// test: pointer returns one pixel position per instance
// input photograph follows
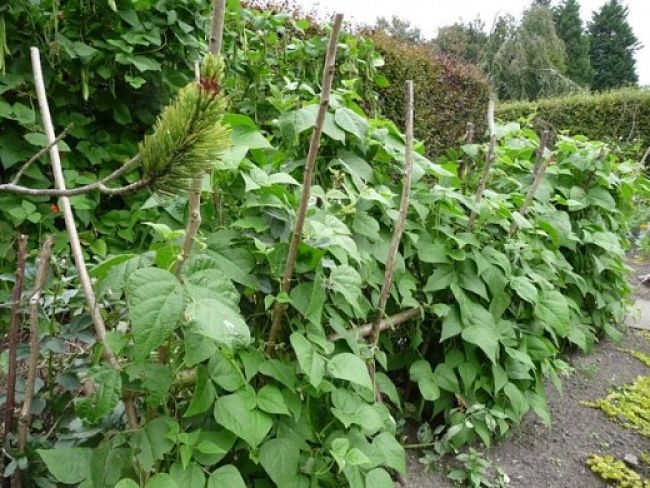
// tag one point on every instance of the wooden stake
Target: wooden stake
(194, 198)
(216, 32)
(75, 245)
(389, 270)
(488, 162)
(538, 174)
(463, 166)
(42, 269)
(314, 145)
(10, 403)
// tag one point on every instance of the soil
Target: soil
(534, 456)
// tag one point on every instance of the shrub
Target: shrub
(621, 115)
(448, 93)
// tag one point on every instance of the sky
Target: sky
(429, 15)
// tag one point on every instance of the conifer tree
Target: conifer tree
(569, 27)
(612, 47)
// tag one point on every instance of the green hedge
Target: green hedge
(448, 94)
(621, 115)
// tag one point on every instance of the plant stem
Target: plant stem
(538, 174)
(10, 403)
(193, 224)
(389, 270)
(34, 302)
(488, 162)
(75, 245)
(96, 186)
(314, 146)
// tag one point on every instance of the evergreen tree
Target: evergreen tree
(568, 26)
(612, 47)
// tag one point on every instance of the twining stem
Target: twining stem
(389, 270)
(99, 185)
(488, 162)
(538, 174)
(42, 151)
(34, 302)
(73, 236)
(314, 146)
(463, 166)
(10, 403)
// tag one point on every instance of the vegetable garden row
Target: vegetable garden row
(231, 345)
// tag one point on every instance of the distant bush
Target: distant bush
(620, 115)
(448, 94)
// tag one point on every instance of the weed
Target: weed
(615, 472)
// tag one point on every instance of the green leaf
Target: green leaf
(524, 288)
(347, 366)
(392, 451)
(379, 478)
(352, 123)
(225, 372)
(204, 394)
(345, 280)
(238, 414)
(155, 301)
(214, 319)
(279, 371)
(518, 402)
(270, 400)
(151, 442)
(311, 362)
(446, 379)
(190, 477)
(127, 483)
(552, 310)
(226, 476)
(161, 480)
(204, 279)
(485, 337)
(105, 397)
(68, 465)
(280, 459)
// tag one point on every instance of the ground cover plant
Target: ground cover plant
(496, 274)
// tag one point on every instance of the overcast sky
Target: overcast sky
(429, 15)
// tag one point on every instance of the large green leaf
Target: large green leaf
(552, 310)
(351, 122)
(280, 459)
(105, 397)
(151, 442)
(379, 478)
(484, 336)
(311, 362)
(68, 465)
(238, 414)
(215, 319)
(189, 477)
(347, 366)
(392, 451)
(204, 279)
(226, 476)
(155, 301)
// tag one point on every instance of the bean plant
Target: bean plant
(491, 312)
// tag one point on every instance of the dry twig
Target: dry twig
(34, 302)
(10, 402)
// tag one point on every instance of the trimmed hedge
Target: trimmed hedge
(621, 115)
(448, 94)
